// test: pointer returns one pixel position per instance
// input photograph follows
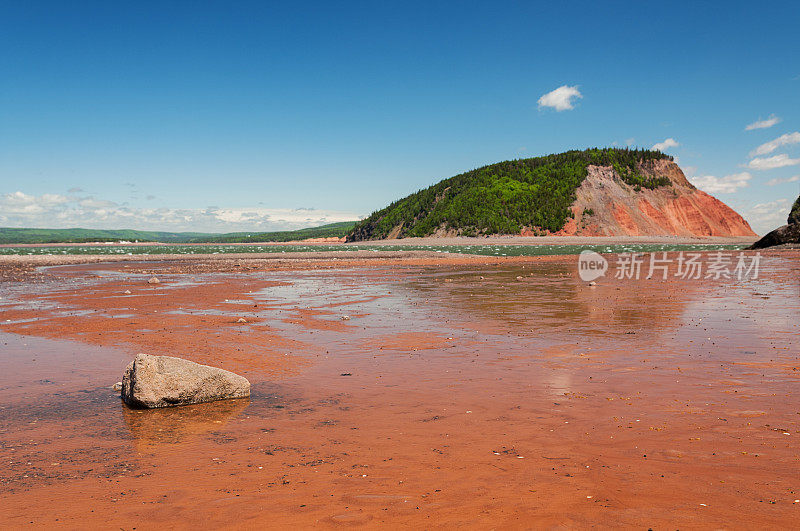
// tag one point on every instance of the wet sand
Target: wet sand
(413, 391)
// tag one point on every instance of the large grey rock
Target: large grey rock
(163, 381)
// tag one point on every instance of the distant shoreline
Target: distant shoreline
(566, 240)
(450, 241)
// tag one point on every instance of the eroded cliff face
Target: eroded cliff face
(607, 206)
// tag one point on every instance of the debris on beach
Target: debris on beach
(164, 381)
(241, 320)
(153, 280)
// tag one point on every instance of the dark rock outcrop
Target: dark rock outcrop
(786, 235)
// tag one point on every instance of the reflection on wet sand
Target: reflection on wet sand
(549, 298)
(173, 425)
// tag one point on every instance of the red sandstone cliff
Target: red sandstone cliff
(607, 206)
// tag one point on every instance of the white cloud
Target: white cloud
(768, 163)
(792, 179)
(783, 140)
(763, 124)
(24, 204)
(18, 209)
(560, 99)
(666, 144)
(722, 185)
(765, 217)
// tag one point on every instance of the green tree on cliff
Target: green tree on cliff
(794, 215)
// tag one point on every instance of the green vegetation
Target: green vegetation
(11, 236)
(630, 175)
(794, 215)
(8, 235)
(332, 230)
(505, 197)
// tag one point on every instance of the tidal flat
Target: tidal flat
(412, 389)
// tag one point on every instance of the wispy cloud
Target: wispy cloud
(18, 209)
(765, 217)
(722, 185)
(769, 163)
(561, 99)
(666, 144)
(763, 124)
(783, 140)
(792, 179)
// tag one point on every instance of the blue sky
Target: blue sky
(245, 116)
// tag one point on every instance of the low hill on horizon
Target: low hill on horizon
(10, 236)
(594, 192)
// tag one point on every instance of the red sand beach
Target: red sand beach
(414, 390)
